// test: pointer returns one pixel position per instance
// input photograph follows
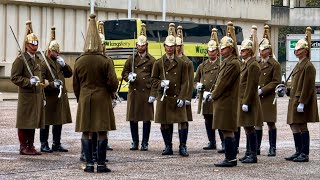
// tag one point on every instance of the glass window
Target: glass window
(120, 29)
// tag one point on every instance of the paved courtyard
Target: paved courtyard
(126, 164)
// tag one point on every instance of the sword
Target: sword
(50, 70)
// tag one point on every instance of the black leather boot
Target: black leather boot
(145, 135)
(44, 135)
(252, 158)
(135, 135)
(183, 136)
(230, 154)
(222, 141)
(211, 135)
(94, 138)
(56, 136)
(82, 157)
(272, 142)
(109, 148)
(298, 144)
(259, 139)
(237, 138)
(248, 152)
(304, 155)
(87, 149)
(168, 144)
(101, 158)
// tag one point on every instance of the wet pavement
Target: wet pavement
(126, 164)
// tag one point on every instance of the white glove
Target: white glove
(57, 83)
(199, 86)
(259, 92)
(34, 80)
(207, 96)
(187, 103)
(61, 61)
(179, 103)
(165, 83)
(114, 103)
(132, 77)
(300, 107)
(245, 108)
(151, 99)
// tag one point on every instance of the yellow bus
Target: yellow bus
(121, 34)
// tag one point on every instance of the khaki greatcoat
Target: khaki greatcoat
(248, 94)
(225, 95)
(270, 77)
(94, 82)
(57, 110)
(167, 111)
(207, 74)
(138, 108)
(190, 70)
(30, 112)
(302, 90)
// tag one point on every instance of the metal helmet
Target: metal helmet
(142, 38)
(53, 44)
(305, 43)
(265, 42)
(179, 38)
(213, 43)
(170, 39)
(92, 42)
(30, 37)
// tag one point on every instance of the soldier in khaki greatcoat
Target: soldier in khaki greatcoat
(137, 72)
(190, 73)
(170, 87)
(57, 110)
(303, 107)
(270, 77)
(225, 97)
(26, 74)
(204, 80)
(249, 106)
(94, 83)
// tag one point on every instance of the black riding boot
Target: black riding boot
(211, 135)
(94, 137)
(183, 136)
(252, 158)
(248, 152)
(145, 135)
(304, 155)
(44, 135)
(56, 136)
(135, 135)
(222, 141)
(259, 139)
(87, 149)
(230, 154)
(101, 158)
(298, 144)
(272, 142)
(237, 138)
(167, 138)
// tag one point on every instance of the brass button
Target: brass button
(175, 84)
(134, 89)
(144, 67)
(166, 72)
(264, 74)
(175, 73)
(210, 80)
(143, 78)
(204, 80)
(174, 95)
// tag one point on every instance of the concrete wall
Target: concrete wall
(304, 17)
(70, 18)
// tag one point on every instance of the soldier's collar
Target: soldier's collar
(32, 56)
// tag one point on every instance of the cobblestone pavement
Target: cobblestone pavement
(126, 164)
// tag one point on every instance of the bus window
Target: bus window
(120, 29)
